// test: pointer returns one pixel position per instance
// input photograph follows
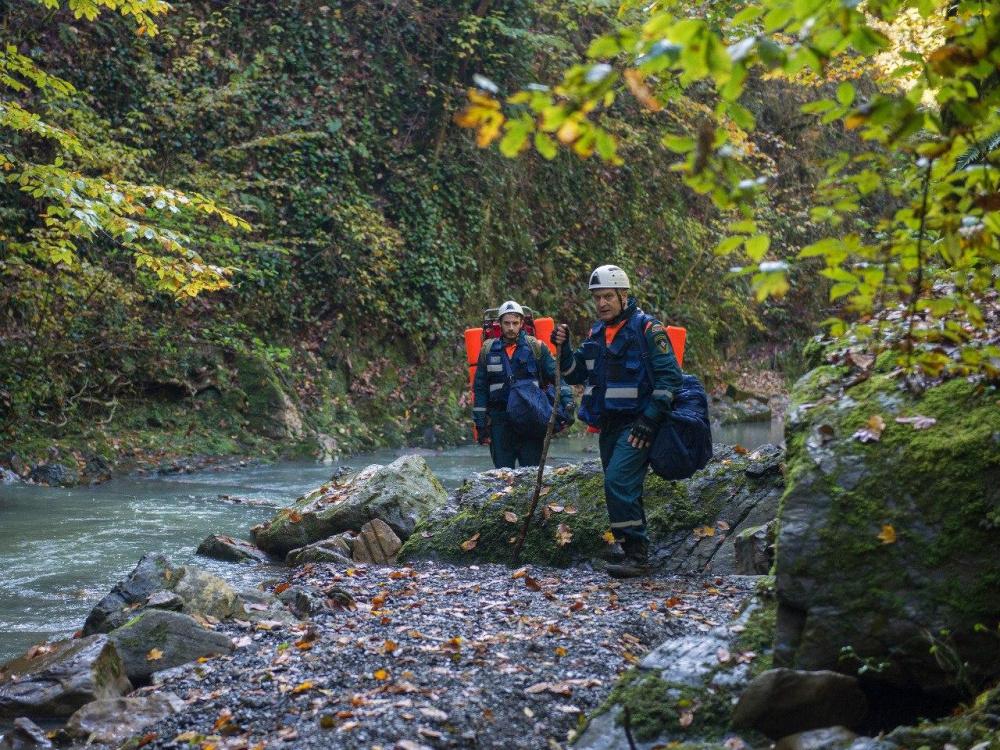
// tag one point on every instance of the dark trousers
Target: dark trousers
(508, 448)
(624, 475)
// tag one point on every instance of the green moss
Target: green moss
(656, 708)
(934, 486)
(758, 635)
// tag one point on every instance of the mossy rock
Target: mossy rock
(399, 494)
(269, 409)
(718, 501)
(887, 547)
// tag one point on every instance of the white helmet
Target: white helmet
(510, 307)
(608, 277)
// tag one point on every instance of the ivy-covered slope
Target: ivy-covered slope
(379, 232)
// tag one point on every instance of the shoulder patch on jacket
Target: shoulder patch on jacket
(658, 334)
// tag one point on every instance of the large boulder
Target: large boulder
(269, 409)
(150, 585)
(55, 679)
(692, 523)
(781, 702)
(888, 528)
(152, 573)
(158, 639)
(114, 720)
(399, 494)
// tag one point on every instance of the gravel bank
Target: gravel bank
(436, 656)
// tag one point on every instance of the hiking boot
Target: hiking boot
(635, 564)
(616, 553)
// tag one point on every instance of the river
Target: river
(61, 549)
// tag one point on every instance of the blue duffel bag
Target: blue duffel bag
(529, 408)
(684, 443)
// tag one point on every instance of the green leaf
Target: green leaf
(845, 94)
(757, 246)
(545, 145)
(728, 245)
(679, 144)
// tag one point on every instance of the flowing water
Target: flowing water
(62, 549)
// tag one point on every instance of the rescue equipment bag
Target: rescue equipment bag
(683, 444)
(528, 409)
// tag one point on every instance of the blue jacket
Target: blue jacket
(616, 377)
(491, 385)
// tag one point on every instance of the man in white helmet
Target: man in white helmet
(512, 357)
(630, 374)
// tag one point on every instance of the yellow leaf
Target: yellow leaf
(470, 544)
(388, 647)
(380, 674)
(568, 132)
(154, 654)
(703, 531)
(560, 651)
(608, 537)
(637, 85)
(887, 535)
(302, 687)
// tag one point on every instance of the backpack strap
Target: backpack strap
(536, 346)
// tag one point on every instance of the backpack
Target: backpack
(683, 444)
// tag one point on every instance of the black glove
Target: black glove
(645, 429)
(552, 336)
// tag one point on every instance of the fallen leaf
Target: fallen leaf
(686, 718)
(872, 431)
(510, 516)
(672, 601)
(545, 491)
(576, 606)
(560, 651)
(570, 510)
(723, 655)
(294, 517)
(608, 537)
(303, 687)
(918, 421)
(531, 583)
(380, 674)
(564, 535)
(470, 544)
(740, 450)
(703, 531)
(555, 508)
(887, 535)
(154, 654)
(388, 647)
(722, 526)
(282, 587)
(39, 650)
(519, 573)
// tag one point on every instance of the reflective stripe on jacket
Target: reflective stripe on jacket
(617, 382)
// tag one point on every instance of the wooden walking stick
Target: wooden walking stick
(549, 429)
